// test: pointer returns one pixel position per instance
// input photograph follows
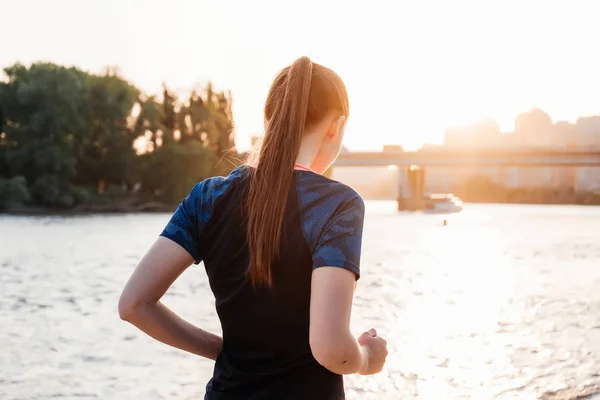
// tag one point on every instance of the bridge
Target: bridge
(410, 185)
(517, 157)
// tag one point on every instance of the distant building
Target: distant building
(587, 131)
(485, 133)
(564, 134)
(392, 148)
(534, 128)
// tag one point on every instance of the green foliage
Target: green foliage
(13, 192)
(49, 189)
(67, 137)
(169, 173)
(186, 142)
(105, 150)
(40, 107)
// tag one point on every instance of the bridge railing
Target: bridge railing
(475, 157)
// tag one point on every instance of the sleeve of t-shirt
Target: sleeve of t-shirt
(182, 228)
(339, 244)
(188, 223)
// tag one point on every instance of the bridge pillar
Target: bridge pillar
(411, 188)
(400, 181)
(401, 190)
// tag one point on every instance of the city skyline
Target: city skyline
(531, 128)
(412, 69)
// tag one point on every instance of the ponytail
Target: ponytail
(285, 112)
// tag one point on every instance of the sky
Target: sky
(412, 68)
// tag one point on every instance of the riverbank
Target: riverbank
(158, 207)
(84, 209)
(530, 196)
(483, 190)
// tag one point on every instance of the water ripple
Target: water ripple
(503, 303)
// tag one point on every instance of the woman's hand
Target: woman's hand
(375, 348)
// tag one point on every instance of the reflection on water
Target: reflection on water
(502, 303)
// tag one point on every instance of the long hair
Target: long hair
(300, 96)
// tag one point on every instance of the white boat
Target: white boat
(443, 203)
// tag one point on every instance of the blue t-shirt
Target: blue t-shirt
(266, 352)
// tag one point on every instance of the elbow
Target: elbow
(127, 309)
(331, 355)
(329, 360)
(133, 307)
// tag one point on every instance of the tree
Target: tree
(42, 118)
(169, 114)
(105, 151)
(171, 166)
(225, 143)
(170, 172)
(66, 134)
(149, 122)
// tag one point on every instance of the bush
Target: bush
(81, 195)
(168, 174)
(46, 190)
(13, 192)
(49, 190)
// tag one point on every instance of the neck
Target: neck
(309, 148)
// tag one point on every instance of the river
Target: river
(501, 303)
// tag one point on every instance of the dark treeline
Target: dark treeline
(71, 138)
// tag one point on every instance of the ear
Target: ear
(336, 128)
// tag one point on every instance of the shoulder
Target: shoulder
(188, 223)
(200, 203)
(327, 205)
(328, 195)
(209, 190)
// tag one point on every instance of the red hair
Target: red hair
(301, 96)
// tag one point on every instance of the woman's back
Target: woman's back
(266, 351)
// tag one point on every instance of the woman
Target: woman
(281, 247)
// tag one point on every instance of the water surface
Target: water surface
(502, 303)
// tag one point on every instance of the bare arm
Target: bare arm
(331, 341)
(140, 302)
